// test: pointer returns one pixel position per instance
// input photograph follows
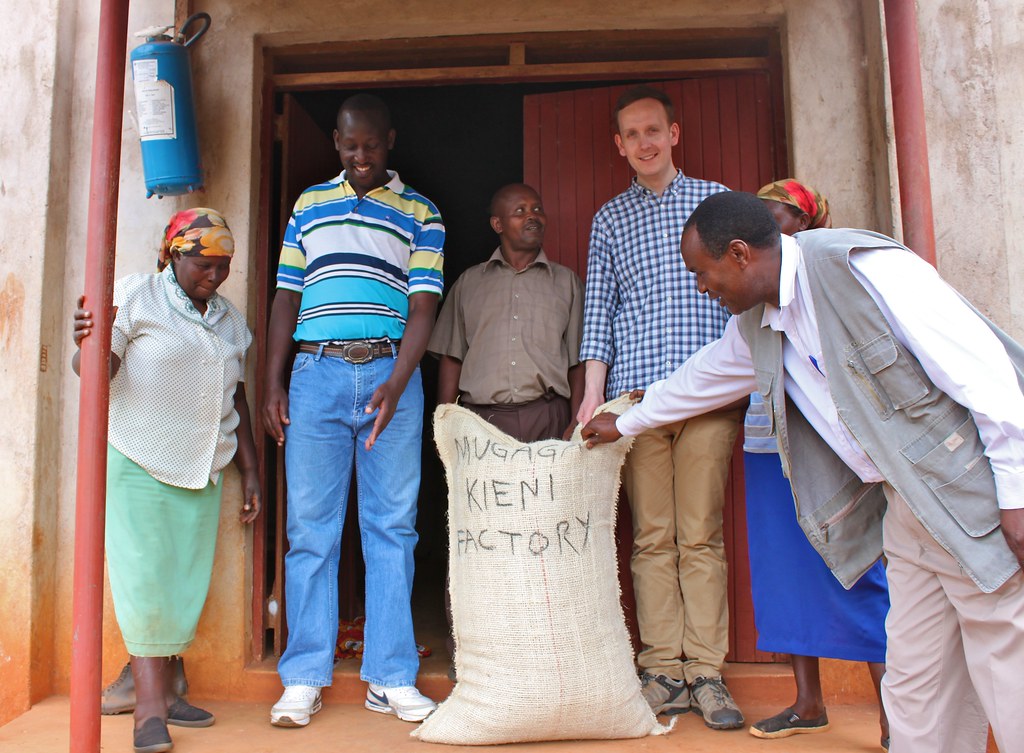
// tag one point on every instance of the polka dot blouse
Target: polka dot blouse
(172, 401)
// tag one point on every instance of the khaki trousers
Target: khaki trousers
(955, 655)
(675, 477)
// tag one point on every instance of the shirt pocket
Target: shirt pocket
(546, 317)
(886, 374)
(950, 458)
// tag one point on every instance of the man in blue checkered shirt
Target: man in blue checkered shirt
(643, 317)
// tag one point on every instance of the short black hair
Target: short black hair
(635, 94)
(732, 215)
(370, 106)
(502, 193)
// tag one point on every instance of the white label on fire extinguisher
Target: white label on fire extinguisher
(154, 101)
(144, 70)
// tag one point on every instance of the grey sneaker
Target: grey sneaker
(119, 696)
(713, 700)
(665, 695)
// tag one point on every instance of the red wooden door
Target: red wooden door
(729, 134)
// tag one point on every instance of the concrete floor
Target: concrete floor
(244, 728)
(344, 726)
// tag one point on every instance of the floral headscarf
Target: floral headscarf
(196, 232)
(798, 195)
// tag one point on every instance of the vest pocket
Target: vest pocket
(886, 375)
(950, 458)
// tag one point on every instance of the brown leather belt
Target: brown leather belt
(354, 351)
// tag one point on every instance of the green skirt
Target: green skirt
(160, 541)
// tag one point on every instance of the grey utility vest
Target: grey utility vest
(923, 442)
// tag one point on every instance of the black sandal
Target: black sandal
(153, 737)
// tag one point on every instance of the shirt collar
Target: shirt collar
(791, 258)
(541, 261)
(645, 193)
(394, 184)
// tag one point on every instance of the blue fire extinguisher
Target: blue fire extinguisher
(163, 102)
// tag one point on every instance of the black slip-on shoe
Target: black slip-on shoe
(787, 723)
(181, 713)
(153, 737)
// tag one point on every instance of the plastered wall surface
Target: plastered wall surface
(1008, 43)
(27, 531)
(837, 139)
(974, 84)
(828, 79)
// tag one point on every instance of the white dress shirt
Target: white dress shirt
(955, 348)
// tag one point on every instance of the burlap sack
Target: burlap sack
(542, 651)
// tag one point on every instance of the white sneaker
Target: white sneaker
(296, 705)
(407, 703)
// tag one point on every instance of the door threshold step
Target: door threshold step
(772, 684)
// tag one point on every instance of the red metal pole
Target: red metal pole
(87, 637)
(909, 126)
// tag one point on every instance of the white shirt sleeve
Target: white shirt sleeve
(958, 351)
(718, 374)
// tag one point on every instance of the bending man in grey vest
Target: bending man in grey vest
(899, 416)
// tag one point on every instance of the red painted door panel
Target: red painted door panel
(728, 133)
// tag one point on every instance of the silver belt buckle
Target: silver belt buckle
(357, 352)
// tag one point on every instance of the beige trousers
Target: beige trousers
(675, 478)
(955, 655)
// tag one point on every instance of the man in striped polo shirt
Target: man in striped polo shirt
(357, 288)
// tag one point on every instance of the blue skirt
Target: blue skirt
(799, 606)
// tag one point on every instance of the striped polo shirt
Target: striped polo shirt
(356, 261)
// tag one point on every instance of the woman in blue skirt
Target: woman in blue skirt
(799, 607)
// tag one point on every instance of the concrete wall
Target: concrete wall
(839, 139)
(31, 247)
(974, 86)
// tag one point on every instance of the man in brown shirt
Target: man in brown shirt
(509, 334)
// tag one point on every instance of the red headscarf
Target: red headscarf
(798, 195)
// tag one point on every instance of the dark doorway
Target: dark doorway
(457, 144)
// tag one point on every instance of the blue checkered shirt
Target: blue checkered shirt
(643, 315)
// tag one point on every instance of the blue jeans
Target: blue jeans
(328, 427)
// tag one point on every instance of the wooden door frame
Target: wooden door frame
(549, 57)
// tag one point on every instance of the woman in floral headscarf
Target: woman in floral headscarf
(799, 607)
(795, 206)
(178, 416)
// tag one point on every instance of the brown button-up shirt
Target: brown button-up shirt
(516, 333)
